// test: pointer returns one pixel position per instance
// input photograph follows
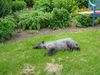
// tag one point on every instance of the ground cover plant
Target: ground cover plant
(15, 57)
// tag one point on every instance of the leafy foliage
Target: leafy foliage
(83, 20)
(5, 7)
(30, 3)
(29, 20)
(18, 5)
(48, 5)
(44, 5)
(37, 19)
(68, 5)
(82, 3)
(60, 18)
(7, 28)
(52, 14)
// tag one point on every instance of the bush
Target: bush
(82, 3)
(28, 20)
(5, 7)
(7, 28)
(37, 19)
(98, 20)
(29, 3)
(44, 5)
(83, 20)
(68, 5)
(18, 5)
(48, 5)
(34, 20)
(60, 18)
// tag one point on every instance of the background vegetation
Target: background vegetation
(38, 14)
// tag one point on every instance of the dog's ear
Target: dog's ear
(42, 41)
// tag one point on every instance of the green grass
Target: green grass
(85, 62)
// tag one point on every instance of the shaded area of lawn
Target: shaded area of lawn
(86, 62)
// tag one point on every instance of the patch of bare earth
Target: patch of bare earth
(35, 33)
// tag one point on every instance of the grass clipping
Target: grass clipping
(28, 70)
(52, 68)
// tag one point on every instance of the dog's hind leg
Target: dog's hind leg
(51, 51)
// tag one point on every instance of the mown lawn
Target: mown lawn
(85, 62)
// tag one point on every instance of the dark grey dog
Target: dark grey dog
(54, 46)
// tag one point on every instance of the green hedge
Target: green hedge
(18, 5)
(7, 28)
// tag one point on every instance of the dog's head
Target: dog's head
(39, 45)
(76, 47)
(73, 45)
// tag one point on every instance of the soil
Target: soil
(35, 33)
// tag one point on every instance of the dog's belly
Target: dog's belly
(57, 45)
(61, 46)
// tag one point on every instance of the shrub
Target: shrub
(82, 3)
(28, 20)
(60, 18)
(68, 5)
(29, 3)
(29, 23)
(98, 20)
(43, 20)
(83, 20)
(37, 19)
(34, 20)
(18, 5)
(5, 7)
(44, 5)
(48, 5)
(7, 28)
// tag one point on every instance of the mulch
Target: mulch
(34, 33)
